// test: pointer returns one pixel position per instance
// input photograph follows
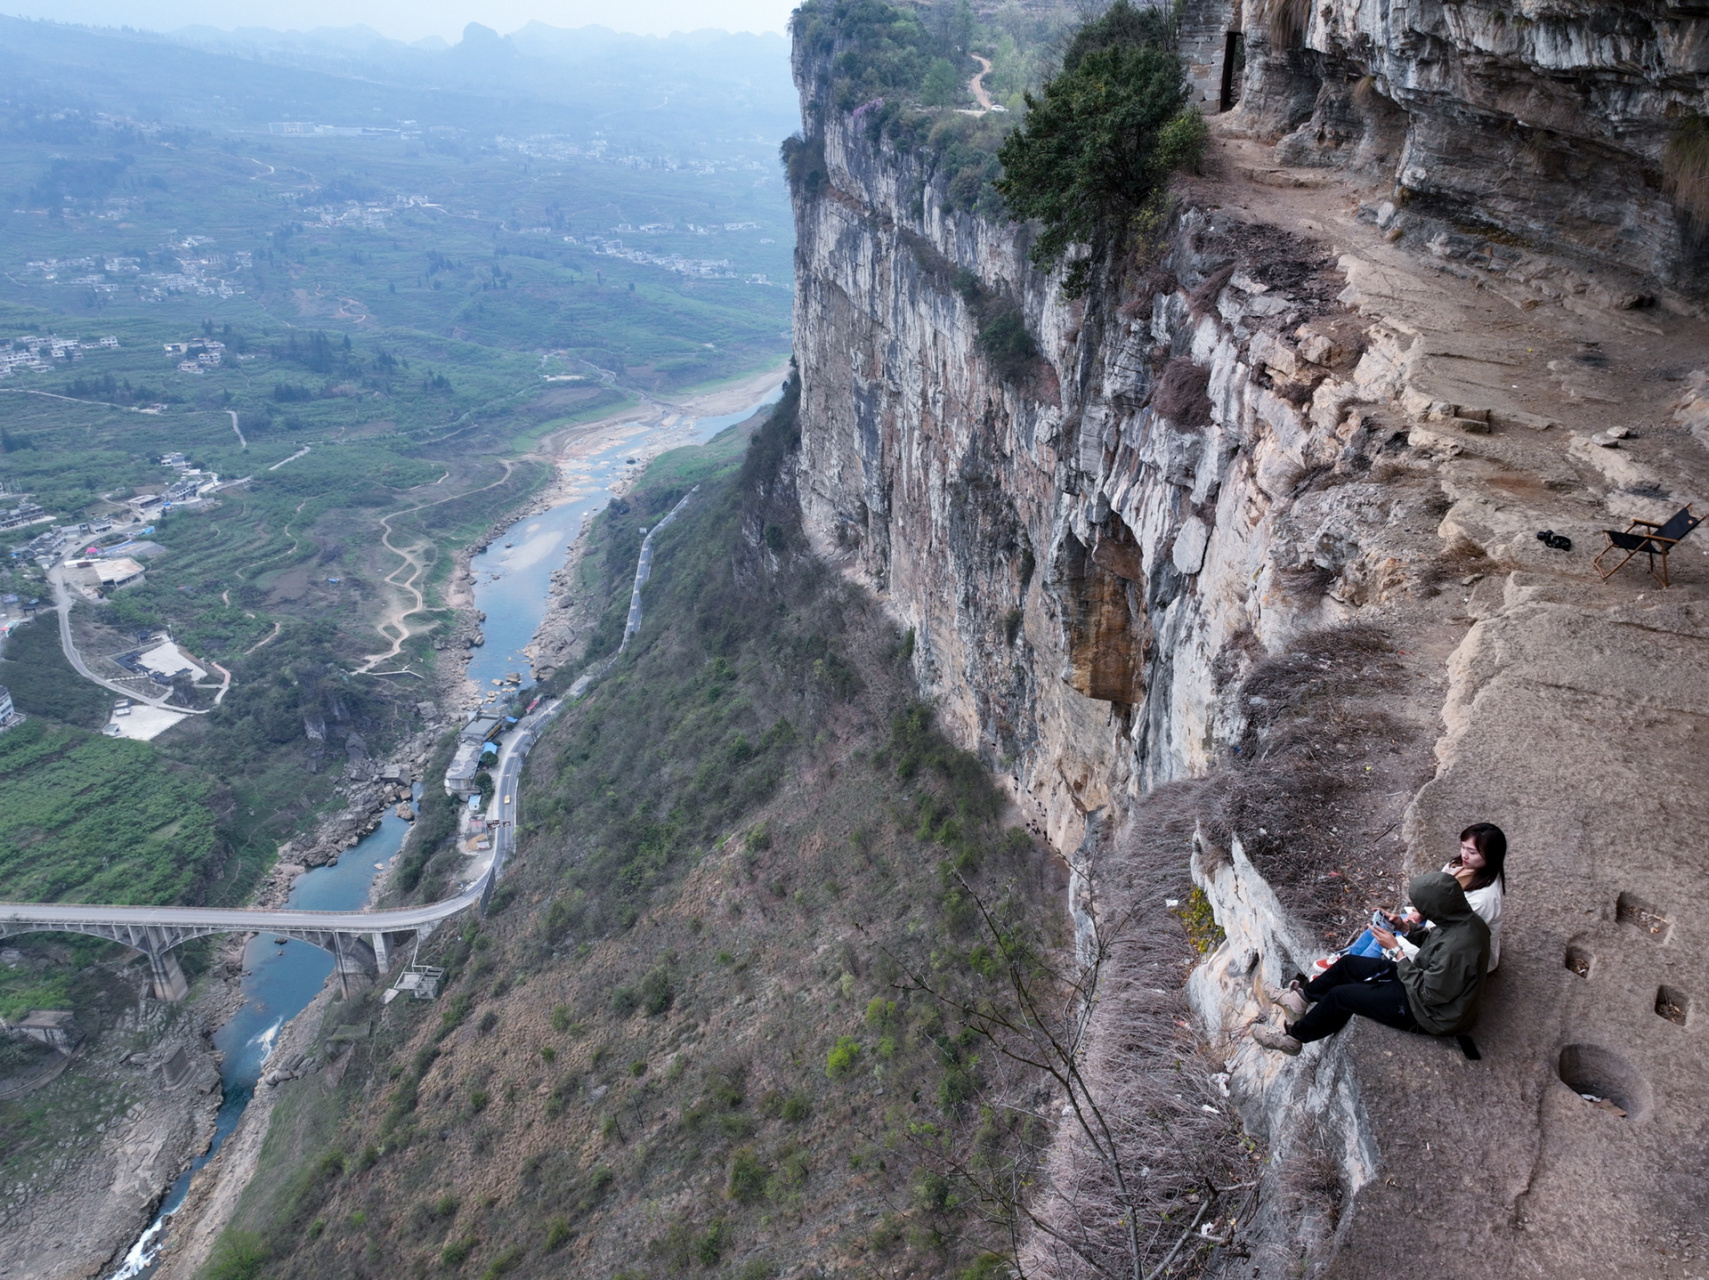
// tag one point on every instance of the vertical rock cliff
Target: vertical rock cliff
(1312, 435)
(1078, 547)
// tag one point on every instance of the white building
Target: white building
(121, 572)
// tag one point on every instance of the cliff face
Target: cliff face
(1556, 121)
(1309, 422)
(1079, 551)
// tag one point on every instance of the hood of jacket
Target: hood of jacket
(1439, 899)
(1444, 979)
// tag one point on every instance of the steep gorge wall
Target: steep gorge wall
(1084, 553)
(1282, 423)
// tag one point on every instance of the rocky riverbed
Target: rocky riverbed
(135, 1107)
(369, 789)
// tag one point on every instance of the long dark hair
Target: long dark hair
(1490, 841)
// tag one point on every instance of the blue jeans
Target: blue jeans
(1365, 945)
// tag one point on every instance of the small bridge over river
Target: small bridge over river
(360, 942)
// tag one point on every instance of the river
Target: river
(512, 584)
(513, 576)
(278, 984)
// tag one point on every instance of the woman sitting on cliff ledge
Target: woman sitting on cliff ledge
(1480, 867)
(1433, 990)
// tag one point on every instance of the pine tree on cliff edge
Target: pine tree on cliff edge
(1095, 153)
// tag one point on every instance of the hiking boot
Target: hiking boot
(1288, 998)
(1280, 1041)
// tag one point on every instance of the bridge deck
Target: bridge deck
(16, 917)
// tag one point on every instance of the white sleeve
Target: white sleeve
(1487, 903)
(1407, 949)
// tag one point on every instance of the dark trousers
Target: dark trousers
(1363, 985)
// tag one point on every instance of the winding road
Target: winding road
(644, 570)
(62, 603)
(976, 86)
(394, 628)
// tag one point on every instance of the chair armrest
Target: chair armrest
(1648, 524)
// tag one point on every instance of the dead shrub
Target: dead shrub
(1458, 562)
(1307, 583)
(1685, 170)
(1182, 393)
(1203, 298)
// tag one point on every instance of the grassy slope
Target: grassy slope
(733, 849)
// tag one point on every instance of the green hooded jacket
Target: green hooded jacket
(1443, 980)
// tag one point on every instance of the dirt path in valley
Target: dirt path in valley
(976, 86)
(264, 643)
(393, 627)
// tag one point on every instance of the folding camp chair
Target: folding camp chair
(1661, 539)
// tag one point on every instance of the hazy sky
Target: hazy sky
(413, 19)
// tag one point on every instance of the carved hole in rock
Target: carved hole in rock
(1672, 1004)
(1605, 1080)
(1647, 919)
(1579, 961)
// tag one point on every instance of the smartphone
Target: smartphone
(1380, 921)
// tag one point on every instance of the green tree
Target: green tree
(942, 86)
(1096, 150)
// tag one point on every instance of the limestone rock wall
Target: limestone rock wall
(1086, 553)
(1549, 120)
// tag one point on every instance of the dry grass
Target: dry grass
(1182, 393)
(1685, 169)
(1452, 566)
(1285, 21)
(1178, 1138)
(1307, 583)
(1309, 788)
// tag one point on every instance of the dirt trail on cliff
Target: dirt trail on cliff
(1572, 720)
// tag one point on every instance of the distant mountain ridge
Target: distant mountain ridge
(647, 91)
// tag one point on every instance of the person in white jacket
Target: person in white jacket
(1481, 870)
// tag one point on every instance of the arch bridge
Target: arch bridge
(360, 942)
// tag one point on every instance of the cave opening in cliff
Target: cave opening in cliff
(1233, 69)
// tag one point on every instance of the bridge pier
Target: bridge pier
(165, 975)
(355, 956)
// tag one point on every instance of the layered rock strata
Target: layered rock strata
(1562, 123)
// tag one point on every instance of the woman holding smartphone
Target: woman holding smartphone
(1480, 868)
